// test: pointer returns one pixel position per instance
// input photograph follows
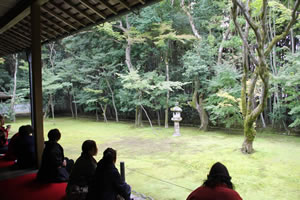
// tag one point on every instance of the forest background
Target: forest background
(186, 51)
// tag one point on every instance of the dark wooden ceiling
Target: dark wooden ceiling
(59, 18)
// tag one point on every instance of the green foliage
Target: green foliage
(289, 79)
(147, 89)
(223, 104)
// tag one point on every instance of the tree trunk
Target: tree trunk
(47, 108)
(113, 99)
(12, 105)
(52, 105)
(191, 20)
(103, 108)
(263, 120)
(71, 104)
(204, 117)
(250, 133)
(168, 95)
(220, 52)
(140, 117)
(158, 117)
(147, 116)
(97, 116)
(197, 103)
(75, 105)
(136, 116)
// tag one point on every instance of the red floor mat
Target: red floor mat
(4, 163)
(26, 187)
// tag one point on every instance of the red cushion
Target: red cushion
(26, 187)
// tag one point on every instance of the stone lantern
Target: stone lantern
(176, 118)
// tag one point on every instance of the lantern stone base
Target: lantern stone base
(176, 129)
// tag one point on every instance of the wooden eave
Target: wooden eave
(59, 18)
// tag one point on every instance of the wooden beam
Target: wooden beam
(93, 8)
(79, 11)
(59, 7)
(8, 45)
(12, 42)
(23, 36)
(4, 52)
(49, 31)
(108, 6)
(36, 93)
(14, 39)
(16, 14)
(55, 24)
(26, 28)
(125, 4)
(51, 12)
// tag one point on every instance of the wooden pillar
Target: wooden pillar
(36, 80)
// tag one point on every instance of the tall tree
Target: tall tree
(262, 47)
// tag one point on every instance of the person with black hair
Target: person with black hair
(24, 148)
(217, 186)
(82, 172)
(54, 167)
(108, 184)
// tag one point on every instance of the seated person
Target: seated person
(82, 172)
(11, 152)
(217, 186)
(3, 135)
(108, 184)
(54, 167)
(24, 148)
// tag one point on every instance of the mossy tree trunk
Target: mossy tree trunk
(258, 61)
(197, 103)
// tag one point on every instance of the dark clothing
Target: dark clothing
(83, 170)
(11, 152)
(108, 184)
(25, 151)
(52, 169)
(81, 176)
(220, 192)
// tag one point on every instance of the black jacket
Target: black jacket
(83, 170)
(25, 151)
(108, 184)
(51, 169)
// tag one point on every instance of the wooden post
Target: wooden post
(122, 169)
(36, 80)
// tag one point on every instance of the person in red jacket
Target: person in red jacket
(218, 186)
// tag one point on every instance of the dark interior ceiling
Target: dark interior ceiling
(59, 18)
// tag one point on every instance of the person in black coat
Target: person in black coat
(108, 184)
(24, 148)
(82, 172)
(54, 167)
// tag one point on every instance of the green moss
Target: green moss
(272, 172)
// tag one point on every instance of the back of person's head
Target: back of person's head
(90, 147)
(1, 117)
(218, 175)
(25, 130)
(110, 155)
(54, 135)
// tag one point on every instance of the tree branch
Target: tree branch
(263, 20)
(239, 29)
(248, 19)
(276, 39)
